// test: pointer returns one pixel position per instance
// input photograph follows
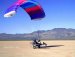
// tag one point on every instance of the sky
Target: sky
(59, 14)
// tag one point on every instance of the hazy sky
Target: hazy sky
(59, 14)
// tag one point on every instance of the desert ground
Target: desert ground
(56, 48)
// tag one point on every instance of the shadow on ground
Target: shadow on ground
(50, 46)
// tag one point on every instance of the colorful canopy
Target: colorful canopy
(34, 10)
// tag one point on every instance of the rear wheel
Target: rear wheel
(44, 44)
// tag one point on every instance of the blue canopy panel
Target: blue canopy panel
(34, 10)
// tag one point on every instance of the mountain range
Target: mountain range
(53, 34)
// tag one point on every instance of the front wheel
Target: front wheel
(34, 47)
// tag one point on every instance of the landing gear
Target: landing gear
(39, 45)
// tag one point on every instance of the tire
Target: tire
(34, 46)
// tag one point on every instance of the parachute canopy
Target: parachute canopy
(11, 11)
(33, 9)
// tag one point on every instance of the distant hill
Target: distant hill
(54, 34)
